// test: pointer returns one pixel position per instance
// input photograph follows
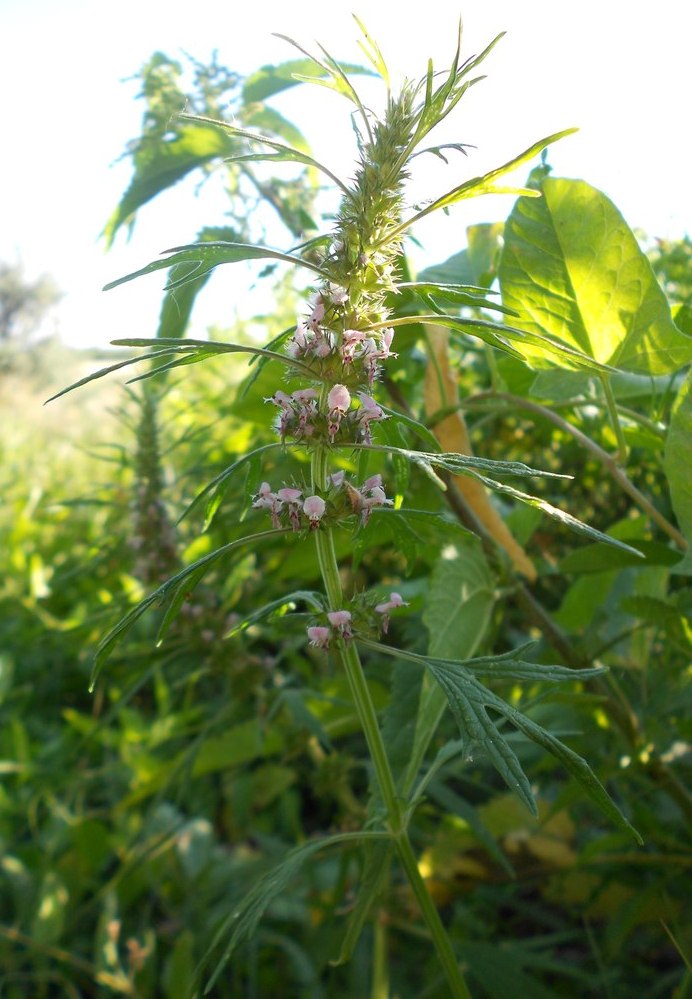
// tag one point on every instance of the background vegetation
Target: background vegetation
(133, 820)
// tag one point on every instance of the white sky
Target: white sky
(617, 69)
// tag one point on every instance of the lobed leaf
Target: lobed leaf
(469, 699)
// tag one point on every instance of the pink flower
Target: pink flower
(338, 295)
(372, 494)
(336, 479)
(368, 413)
(319, 637)
(395, 600)
(291, 498)
(339, 399)
(289, 495)
(313, 508)
(341, 620)
(267, 500)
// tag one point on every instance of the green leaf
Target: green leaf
(177, 304)
(246, 917)
(282, 152)
(469, 700)
(677, 462)
(477, 264)
(165, 595)
(372, 883)
(270, 80)
(205, 256)
(413, 533)
(215, 490)
(461, 294)
(502, 336)
(460, 597)
(599, 558)
(572, 269)
(188, 352)
(487, 184)
(161, 164)
(277, 607)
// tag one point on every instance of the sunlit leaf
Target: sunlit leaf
(162, 164)
(487, 184)
(281, 152)
(573, 270)
(270, 80)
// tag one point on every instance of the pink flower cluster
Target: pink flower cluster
(315, 337)
(300, 417)
(290, 501)
(340, 625)
(298, 412)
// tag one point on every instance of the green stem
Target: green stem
(347, 653)
(614, 419)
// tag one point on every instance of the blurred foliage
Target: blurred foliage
(134, 820)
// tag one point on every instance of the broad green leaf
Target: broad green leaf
(674, 622)
(245, 919)
(505, 970)
(159, 165)
(205, 256)
(459, 599)
(677, 463)
(573, 270)
(399, 717)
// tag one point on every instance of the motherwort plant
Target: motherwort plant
(339, 350)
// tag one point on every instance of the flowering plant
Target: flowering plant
(337, 418)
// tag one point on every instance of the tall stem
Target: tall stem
(348, 657)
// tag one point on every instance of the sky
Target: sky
(68, 111)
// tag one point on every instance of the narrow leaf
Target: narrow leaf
(165, 593)
(206, 256)
(246, 917)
